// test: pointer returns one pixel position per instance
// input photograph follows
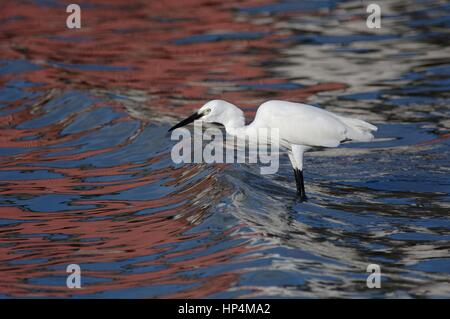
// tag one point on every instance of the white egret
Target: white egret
(300, 126)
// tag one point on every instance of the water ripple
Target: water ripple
(86, 175)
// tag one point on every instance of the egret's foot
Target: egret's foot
(302, 197)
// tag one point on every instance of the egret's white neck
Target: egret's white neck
(233, 120)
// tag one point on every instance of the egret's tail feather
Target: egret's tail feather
(358, 130)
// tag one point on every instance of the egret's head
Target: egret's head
(215, 111)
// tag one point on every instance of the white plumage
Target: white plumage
(300, 126)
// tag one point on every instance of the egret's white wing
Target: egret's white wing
(301, 124)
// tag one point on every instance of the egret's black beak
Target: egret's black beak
(184, 122)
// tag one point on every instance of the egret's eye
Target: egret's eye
(207, 111)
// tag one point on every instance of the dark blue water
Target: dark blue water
(86, 175)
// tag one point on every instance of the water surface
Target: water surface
(86, 175)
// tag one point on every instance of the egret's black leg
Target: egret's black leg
(303, 197)
(297, 182)
(300, 184)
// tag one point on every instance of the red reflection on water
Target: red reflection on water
(103, 231)
(140, 37)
